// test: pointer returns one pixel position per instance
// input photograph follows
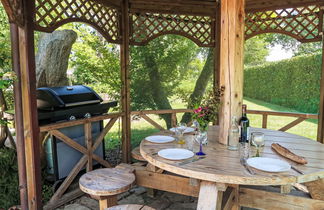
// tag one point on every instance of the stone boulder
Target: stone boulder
(52, 58)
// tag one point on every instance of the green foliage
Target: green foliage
(256, 50)
(207, 111)
(6, 77)
(172, 56)
(9, 190)
(290, 43)
(95, 62)
(5, 52)
(9, 193)
(291, 83)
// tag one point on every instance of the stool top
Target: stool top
(130, 207)
(136, 154)
(106, 181)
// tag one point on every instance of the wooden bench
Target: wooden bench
(130, 207)
(104, 184)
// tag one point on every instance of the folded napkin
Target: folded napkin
(288, 154)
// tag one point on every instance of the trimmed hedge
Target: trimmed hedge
(293, 83)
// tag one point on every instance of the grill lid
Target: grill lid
(50, 98)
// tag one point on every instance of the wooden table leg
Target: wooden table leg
(106, 202)
(236, 205)
(151, 192)
(208, 196)
(219, 200)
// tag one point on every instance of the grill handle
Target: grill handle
(82, 103)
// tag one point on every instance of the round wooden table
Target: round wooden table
(221, 166)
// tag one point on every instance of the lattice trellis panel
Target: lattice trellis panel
(50, 14)
(302, 23)
(147, 26)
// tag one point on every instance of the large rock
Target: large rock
(52, 58)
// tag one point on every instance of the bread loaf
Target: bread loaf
(288, 154)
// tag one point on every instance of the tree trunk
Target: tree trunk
(201, 85)
(158, 93)
(52, 58)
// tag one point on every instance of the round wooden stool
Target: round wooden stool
(130, 207)
(104, 184)
(136, 154)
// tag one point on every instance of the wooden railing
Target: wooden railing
(300, 117)
(173, 113)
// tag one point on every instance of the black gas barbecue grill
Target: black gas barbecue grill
(68, 103)
(65, 103)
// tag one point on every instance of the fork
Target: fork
(243, 162)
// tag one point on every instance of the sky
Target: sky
(277, 53)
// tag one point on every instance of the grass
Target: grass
(308, 128)
(141, 128)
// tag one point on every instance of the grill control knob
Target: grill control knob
(87, 115)
(72, 118)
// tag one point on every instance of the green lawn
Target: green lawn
(307, 128)
(140, 128)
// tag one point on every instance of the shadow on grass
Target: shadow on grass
(112, 140)
(264, 106)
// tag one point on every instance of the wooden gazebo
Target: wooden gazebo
(221, 24)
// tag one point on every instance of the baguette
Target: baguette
(288, 154)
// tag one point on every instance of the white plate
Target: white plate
(188, 130)
(268, 164)
(160, 139)
(175, 154)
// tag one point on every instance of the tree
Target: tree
(157, 69)
(256, 50)
(95, 62)
(290, 43)
(201, 85)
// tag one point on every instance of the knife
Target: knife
(297, 170)
(243, 162)
(190, 161)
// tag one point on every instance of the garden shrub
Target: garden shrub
(293, 83)
(9, 193)
(9, 190)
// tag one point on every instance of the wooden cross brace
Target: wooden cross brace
(88, 153)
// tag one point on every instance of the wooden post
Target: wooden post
(217, 48)
(320, 128)
(124, 59)
(88, 143)
(20, 144)
(231, 63)
(28, 90)
(217, 53)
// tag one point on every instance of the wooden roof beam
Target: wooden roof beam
(263, 5)
(175, 8)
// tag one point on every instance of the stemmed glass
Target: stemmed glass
(258, 140)
(201, 138)
(181, 128)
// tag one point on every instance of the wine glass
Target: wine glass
(258, 140)
(201, 138)
(181, 128)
